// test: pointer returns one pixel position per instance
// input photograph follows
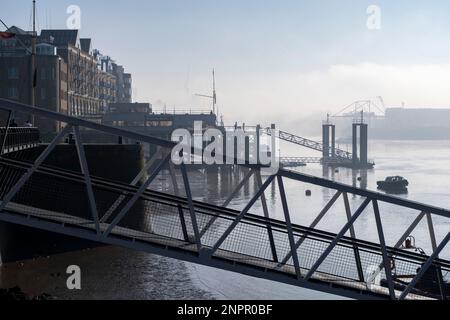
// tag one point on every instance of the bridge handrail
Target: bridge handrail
(364, 193)
(217, 211)
(17, 137)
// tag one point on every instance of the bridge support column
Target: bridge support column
(360, 155)
(364, 141)
(329, 141)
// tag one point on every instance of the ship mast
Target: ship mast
(214, 92)
(214, 95)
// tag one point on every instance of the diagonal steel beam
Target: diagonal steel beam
(136, 197)
(312, 226)
(157, 156)
(386, 260)
(338, 238)
(187, 188)
(434, 247)
(173, 176)
(121, 198)
(267, 216)
(425, 267)
(238, 188)
(411, 228)
(228, 201)
(241, 215)
(35, 166)
(287, 217)
(348, 211)
(402, 239)
(183, 223)
(87, 178)
(431, 231)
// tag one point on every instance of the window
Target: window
(118, 123)
(13, 93)
(43, 74)
(166, 123)
(152, 123)
(161, 123)
(13, 73)
(136, 124)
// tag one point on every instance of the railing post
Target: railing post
(187, 188)
(267, 216)
(434, 246)
(386, 260)
(87, 178)
(183, 223)
(353, 235)
(287, 217)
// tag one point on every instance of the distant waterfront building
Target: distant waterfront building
(141, 118)
(90, 88)
(51, 78)
(401, 124)
(128, 91)
(123, 93)
(123, 84)
(19, 45)
(70, 76)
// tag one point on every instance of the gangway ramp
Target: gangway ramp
(174, 225)
(308, 143)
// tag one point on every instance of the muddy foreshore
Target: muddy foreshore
(107, 273)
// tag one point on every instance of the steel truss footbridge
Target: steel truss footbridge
(172, 224)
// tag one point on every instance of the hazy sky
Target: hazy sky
(275, 60)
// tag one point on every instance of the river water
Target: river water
(114, 273)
